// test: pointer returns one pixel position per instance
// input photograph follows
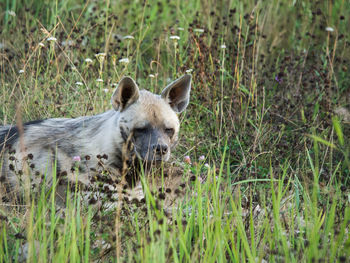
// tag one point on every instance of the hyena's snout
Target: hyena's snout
(160, 150)
(151, 145)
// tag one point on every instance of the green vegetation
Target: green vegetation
(269, 112)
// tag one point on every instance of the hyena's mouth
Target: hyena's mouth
(153, 157)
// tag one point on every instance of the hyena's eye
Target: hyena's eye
(170, 132)
(140, 130)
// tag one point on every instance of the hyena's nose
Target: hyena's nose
(160, 149)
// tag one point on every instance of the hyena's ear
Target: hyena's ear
(125, 94)
(177, 93)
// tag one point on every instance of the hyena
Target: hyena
(146, 122)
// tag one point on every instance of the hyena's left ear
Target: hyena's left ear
(125, 94)
(177, 93)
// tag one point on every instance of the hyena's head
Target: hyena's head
(151, 120)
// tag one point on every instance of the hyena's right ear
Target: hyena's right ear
(125, 94)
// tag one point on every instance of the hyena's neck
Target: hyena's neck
(103, 134)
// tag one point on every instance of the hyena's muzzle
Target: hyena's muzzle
(151, 145)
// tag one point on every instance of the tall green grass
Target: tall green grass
(211, 224)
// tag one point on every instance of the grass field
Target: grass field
(264, 142)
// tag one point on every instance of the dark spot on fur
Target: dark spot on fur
(123, 133)
(123, 120)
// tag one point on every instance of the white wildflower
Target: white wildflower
(175, 37)
(189, 70)
(124, 60)
(201, 158)
(329, 29)
(21, 71)
(11, 13)
(151, 76)
(180, 29)
(53, 39)
(101, 54)
(128, 37)
(78, 83)
(199, 30)
(88, 60)
(223, 46)
(105, 90)
(99, 80)
(41, 44)
(206, 165)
